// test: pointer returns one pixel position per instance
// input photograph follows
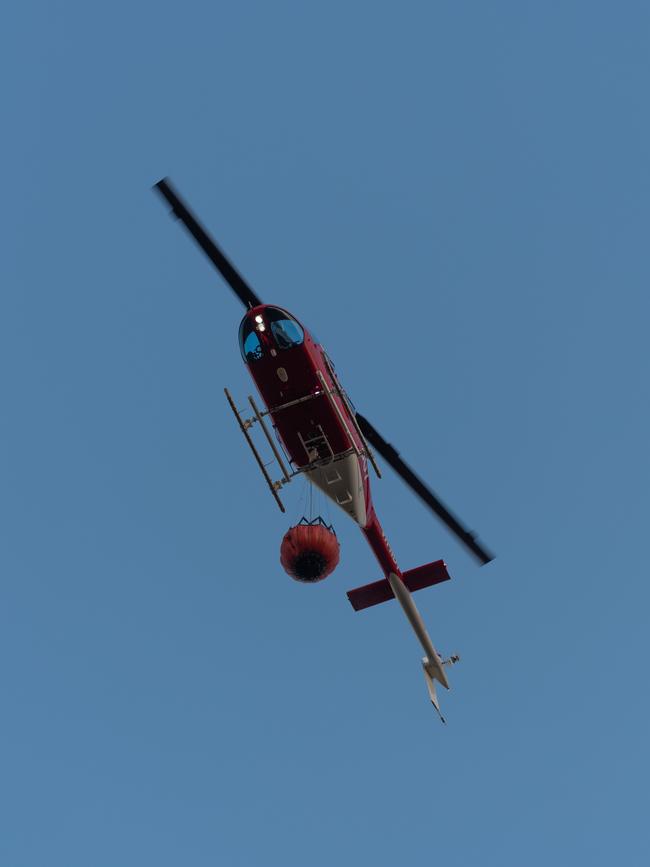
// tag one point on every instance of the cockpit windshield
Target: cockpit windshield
(284, 328)
(249, 341)
(253, 347)
(255, 339)
(286, 333)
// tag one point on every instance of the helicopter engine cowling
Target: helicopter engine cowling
(310, 551)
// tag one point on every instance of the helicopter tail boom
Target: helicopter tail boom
(401, 588)
(432, 664)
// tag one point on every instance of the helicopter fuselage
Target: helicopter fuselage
(313, 416)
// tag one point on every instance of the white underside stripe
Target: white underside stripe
(341, 481)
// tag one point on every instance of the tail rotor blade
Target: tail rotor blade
(391, 455)
(227, 270)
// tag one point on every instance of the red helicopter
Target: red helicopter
(324, 439)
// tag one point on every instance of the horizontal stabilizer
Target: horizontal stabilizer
(414, 579)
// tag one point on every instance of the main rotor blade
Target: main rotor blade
(229, 273)
(390, 454)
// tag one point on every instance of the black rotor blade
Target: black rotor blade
(390, 454)
(229, 273)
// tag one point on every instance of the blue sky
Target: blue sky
(454, 197)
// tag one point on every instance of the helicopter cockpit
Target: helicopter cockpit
(267, 331)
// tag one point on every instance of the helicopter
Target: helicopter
(320, 436)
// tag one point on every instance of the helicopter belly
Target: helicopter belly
(342, 481)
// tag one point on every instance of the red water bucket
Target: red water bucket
(310, 551)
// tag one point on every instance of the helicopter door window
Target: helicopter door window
(286, 333)
(252, 347)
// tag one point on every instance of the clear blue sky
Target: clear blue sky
(455, 198)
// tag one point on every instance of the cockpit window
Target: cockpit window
(252, 347)
(249, 342)
(285, 330)
(286, 333)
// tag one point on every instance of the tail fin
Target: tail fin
(432, 688)
(414, 579)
